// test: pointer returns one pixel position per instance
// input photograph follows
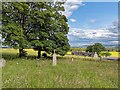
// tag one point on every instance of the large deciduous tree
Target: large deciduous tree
(49, 27)
(14, 22)
(39, 25)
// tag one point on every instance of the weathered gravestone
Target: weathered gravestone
(2, 62)
(72, 59)
(54, 59)
(95, 55)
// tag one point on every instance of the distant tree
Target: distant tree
(97, 47)
(106, 54)
(90, 48)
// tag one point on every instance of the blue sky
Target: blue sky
(102, 13)
(92, 22)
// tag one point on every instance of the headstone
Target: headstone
(2, 62)
(95, 55)
(54, 59)
(72, 59)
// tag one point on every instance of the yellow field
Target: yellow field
(115, 54)
(33, 52)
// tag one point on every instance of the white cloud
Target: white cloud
(72, 20)
(92, 20)
(92, 33)
(70, 6)
(74, 7)
(83, 4)
(74, 1)
(83, 37)
(114, 42)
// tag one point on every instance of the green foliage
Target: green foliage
(90, 48)
(15, 23)
(38, 25)
(49, 29)
(77, 49)
(97, 47)
(106, 54)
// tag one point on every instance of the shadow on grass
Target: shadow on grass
(10, 56)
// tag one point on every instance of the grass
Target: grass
(80, 73)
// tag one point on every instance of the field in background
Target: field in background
(115, 54)
(39, 73)
(34, 53)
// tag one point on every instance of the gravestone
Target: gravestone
(72, 59)
(95, 55)
(2, 62)
(54, 59)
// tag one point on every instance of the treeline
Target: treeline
(114, 49)
(77, 49)
(110, 49)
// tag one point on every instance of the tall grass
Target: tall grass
(80, 73)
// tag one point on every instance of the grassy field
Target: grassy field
(35, 73)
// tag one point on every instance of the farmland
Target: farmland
(39, 73)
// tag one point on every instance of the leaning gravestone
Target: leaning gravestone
(2, 62)
(72, 59)
(95, 55)
(54, 59)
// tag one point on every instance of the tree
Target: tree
(37, 25)
(90, 48)
(106, 54)
(14, 22)
(50, 28)
(97, 47)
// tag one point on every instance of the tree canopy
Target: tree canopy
(97, 47)
(14, 24)
(37, 25)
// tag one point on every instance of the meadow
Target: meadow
(83, 72)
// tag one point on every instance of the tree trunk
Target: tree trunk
(39, 54)
(100, 58)
(20, 52)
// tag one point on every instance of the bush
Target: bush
(106, 54)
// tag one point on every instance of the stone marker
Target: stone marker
(2, 62)
(72, 59)
(54, 58)
(95, 55)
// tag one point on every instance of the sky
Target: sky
(92, 22)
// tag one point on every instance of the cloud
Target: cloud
(80, 37)
(92, 20)
(114, 42)
(83, 4)
(72, 20)
(91, 33)
(70, 6)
